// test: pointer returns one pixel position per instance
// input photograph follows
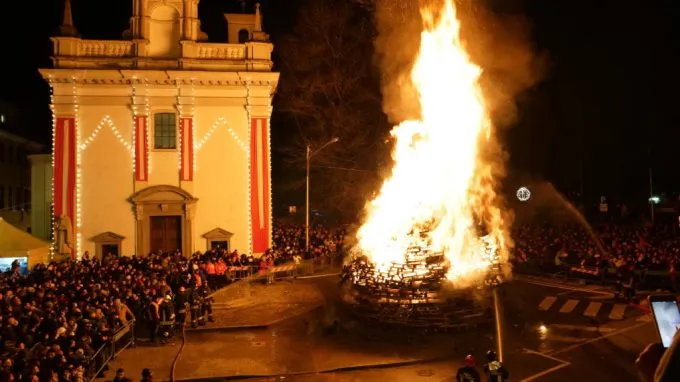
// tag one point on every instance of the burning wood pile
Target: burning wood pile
(417, 292)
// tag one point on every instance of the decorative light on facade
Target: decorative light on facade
(193, 127)
(179, 127)
(219, 122)
(269, 153)
(133, 135)
(147, 114)
(54, 139)
(107, 121)
(76, 114)
(250, 170)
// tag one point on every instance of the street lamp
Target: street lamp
(310, 154)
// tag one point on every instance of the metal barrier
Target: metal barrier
(647, 279)
(121, 340)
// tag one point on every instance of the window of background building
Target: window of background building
(165, 131)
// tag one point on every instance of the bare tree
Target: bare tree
(330, 88)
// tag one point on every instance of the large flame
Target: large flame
(441, 191)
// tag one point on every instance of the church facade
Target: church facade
(161, 140)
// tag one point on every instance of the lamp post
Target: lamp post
(310, 154)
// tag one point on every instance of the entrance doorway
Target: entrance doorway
(110, 250)
(166, 233)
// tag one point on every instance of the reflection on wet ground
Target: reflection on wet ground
(312, 343)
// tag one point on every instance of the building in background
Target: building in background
(15, 177)
(41, 196)
(161, 141)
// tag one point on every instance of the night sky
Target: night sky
(607, 102)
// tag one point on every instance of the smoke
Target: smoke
(499, 43)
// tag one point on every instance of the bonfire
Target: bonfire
(436, 223)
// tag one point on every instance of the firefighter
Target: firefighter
(495, 371)
(195, 307)
(468, 373)
(167, 318)
(181, 304)
(206, 305)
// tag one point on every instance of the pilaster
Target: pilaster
(260, 178)
(140, 112)
(64, 181)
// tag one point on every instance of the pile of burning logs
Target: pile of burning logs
(414, 292)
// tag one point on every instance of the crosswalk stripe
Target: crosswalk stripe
(569, 306)
(592, 309)
(547, 303)
(617, 312)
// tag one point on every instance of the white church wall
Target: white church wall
(221, 173)
(106, 170)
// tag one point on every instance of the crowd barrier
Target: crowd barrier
(647, 279)
(121, 340)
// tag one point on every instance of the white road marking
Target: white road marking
(576, 346)
(569, 306)
(562, 364)
(561, 286)
(559, 338)
(592, 309)
(547, 303)
(582, 328)
(617, 312)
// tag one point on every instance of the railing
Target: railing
(647, 279)
(121, 340)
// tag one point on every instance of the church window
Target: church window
(243, 36)
(165, 131)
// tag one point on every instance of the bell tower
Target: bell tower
(161, 25)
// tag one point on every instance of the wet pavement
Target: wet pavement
(551, 334)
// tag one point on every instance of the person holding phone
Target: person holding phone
(660, 362)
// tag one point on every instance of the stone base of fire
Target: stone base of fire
(414, 293)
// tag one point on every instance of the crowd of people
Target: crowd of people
(56, 319)
(601, 248)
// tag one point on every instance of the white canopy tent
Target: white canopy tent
(17, 244)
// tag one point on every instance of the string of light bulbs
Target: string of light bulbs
(53, 224)
(79, 179)
(250, 169)
(108, 121)
(219, 122)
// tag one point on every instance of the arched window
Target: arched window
(165, 131)
(243, 36)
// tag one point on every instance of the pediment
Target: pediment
(217, 234)
(107, 237)
(162, 194)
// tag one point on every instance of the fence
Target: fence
(241, 287)
(121, 340)
(647, 279)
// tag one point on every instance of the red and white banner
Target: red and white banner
(65, 170)
(259, 184)
(187, 126)
(141, 149)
